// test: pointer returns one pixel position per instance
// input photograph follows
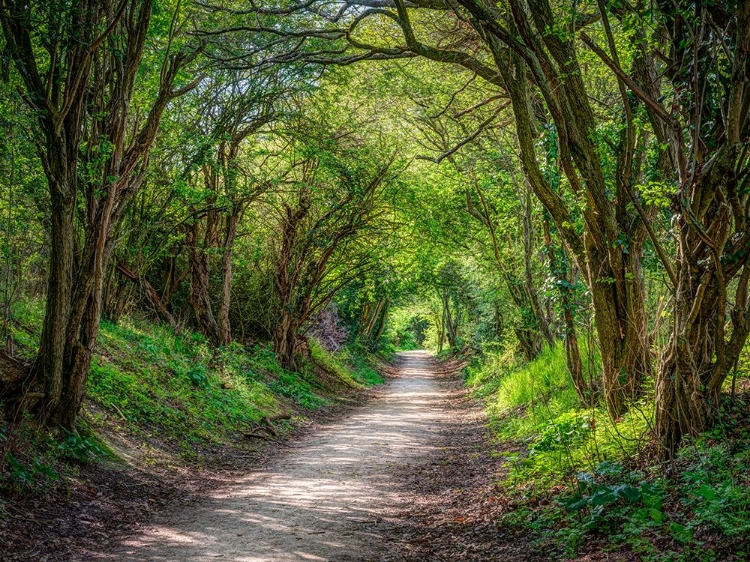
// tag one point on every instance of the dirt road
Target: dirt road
(325, 498)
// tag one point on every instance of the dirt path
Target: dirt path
(324, 499)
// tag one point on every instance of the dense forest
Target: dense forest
(557, 193)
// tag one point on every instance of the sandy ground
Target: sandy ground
(323, 499)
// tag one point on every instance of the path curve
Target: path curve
(324, 499)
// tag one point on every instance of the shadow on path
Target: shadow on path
(324, 499)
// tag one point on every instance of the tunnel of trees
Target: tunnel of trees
(453, 173)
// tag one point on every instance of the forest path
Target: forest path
(328, 497)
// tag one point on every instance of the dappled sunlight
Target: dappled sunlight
(321, 500)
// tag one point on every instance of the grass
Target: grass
(536, 404)
(584, 479)
(176, 385)
(170, 391)
(541, 388)
(352, 364)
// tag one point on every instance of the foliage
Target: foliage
(588, 478)
(566, 205)
(168, 390)
(542, 385)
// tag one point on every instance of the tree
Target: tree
(531, 57)
(707, 117)
(78, 64)
(235, 106)
(336, 196)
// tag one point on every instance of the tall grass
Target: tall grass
(524, 395)
(535, 403)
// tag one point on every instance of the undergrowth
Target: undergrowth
(352, 364)
(169, 391)
(583, 479)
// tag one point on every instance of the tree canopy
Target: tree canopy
(465, 173)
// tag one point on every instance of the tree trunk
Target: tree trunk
(621, 326)
(373, 321)
(526, 328)
(285, 341)
(701, 351)
(370, 318)
(441, 331)
(530, 343)
(116, 297)
(498, 322)
(711, 311)
(534, 327)
(693, 365)
(49, 364)
(450, 325)
(308, 237)
(564, 280)
(225, 328)
(82, 329)
(573, 354)
(199, 263)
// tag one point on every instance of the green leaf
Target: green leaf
(656, 515)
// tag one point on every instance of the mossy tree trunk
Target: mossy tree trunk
(99, 46)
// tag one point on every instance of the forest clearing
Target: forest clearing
(374, 280)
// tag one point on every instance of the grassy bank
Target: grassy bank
(583, 481)
(172, 399)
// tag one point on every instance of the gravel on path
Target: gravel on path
(369, 487)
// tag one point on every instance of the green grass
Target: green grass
(535, 403)
(171, 391)
(352, 365)
(175, 384)
(579, 476)
(541, 387)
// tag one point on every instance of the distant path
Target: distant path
(325, 498)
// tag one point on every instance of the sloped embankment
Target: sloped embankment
(164, 411)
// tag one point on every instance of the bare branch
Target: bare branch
(482, 126)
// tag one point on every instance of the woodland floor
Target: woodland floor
(406, 476)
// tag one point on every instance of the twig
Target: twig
(257, 436)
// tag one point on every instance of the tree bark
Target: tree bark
(285, 341)
(199, 265)
(532, 295)
(86, 102)
(49, 364)
(712, 315)
(225, 327)
(701, 351)
(373, 321)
